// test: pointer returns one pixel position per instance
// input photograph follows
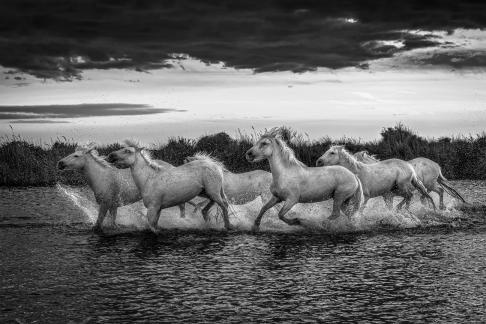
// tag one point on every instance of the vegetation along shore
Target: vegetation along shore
(23, 163)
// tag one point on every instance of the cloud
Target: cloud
(54, 39)
(38, 121)
(38, 114)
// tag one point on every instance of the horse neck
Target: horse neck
(141, 171)
(350, 163)
(93, 171)
(277, 166)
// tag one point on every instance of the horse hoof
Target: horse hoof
(98, 230)
(255, 228)
(155, 230)
(296, 222)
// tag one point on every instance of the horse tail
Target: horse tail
(420, 187)
(448, 187)
(358, 195)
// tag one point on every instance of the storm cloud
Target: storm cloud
(59, 39)
(39, 114)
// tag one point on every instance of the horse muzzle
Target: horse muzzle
(61, 165)
(111, 158)
(249, 156)
(319, 163)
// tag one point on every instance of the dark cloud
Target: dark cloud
(39, 113)
(45, 38)
(38, 121)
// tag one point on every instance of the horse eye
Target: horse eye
(332, 153)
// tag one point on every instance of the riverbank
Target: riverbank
(23, 163)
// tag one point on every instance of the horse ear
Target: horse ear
(90, 146)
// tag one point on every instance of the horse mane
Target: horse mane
(348, 157)
(287, 153)
(144, 153)
(365, 154)
(99, 159)
(134, 143)
(85, 148)
(150, 161)
(208, 157)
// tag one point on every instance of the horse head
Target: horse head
(331, 157)
(263, 149)
(126, 156)
(76, 160)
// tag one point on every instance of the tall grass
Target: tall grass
(26, 164)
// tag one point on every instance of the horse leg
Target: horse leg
(441, 197)
(153, 214)
(182, 208)
(223, 204)
(288, 204)
(336, 207)
(113, 212)
(101, 217)
(407, 199)
(198, 206)
(272, 202)
(438, 189)
(388, 198)
(206, 209)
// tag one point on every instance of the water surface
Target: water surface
(54, 269)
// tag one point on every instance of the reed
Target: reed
(23, 163)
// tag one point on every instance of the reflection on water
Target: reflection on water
(54, 269)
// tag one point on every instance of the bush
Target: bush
(25, 164)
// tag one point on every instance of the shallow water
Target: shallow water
(378, 268)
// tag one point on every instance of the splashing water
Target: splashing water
(314, 217)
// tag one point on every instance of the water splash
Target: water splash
(314, 217)
(81, 198)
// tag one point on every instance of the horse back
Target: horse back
(427, 170)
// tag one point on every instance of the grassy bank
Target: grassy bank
(25, 164)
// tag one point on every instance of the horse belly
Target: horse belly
(180, 192)
(315, 193)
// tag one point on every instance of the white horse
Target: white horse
(293, 182)
(378, 179)
(112, 187)
(428, 171)
(241, 188)
(163, 188)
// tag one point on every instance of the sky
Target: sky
(109, 70)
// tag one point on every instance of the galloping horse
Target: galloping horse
(163, 188)
(294, 182)
(112, 187)
(378, 179)
(241, 188)
(427, 171)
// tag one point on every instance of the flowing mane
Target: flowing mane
(85, 148)
(90, 149)
(348, 157)
(287, 153)
(144, 153)
(134, 143)
(207, 157)
(150, 161)
(364, 156)
(99, 159)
